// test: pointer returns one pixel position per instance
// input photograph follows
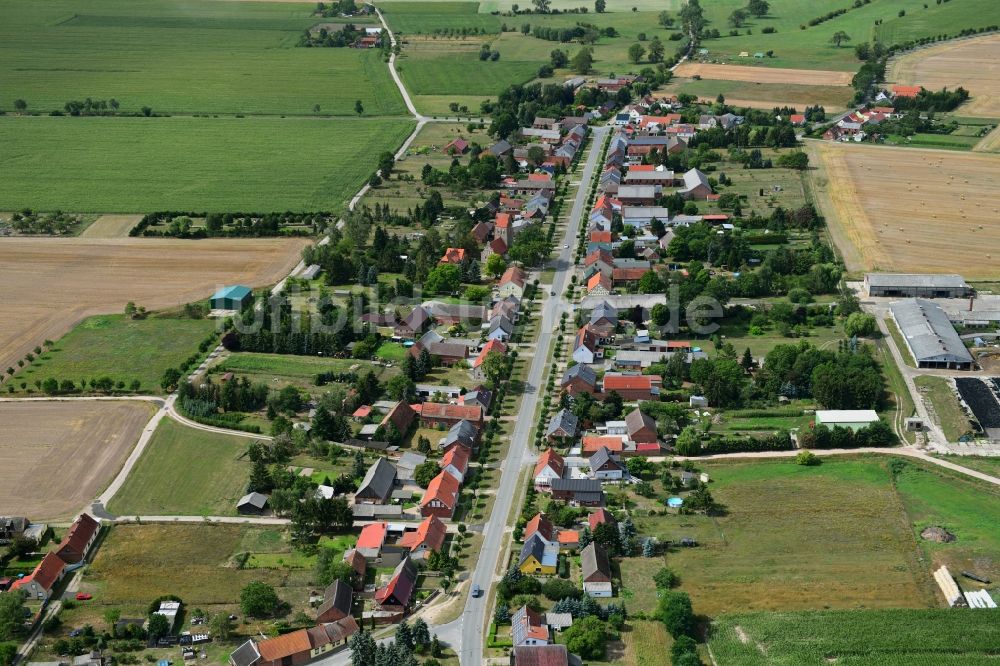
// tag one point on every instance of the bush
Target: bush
(807, 459)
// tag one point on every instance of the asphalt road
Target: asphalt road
(520, 453)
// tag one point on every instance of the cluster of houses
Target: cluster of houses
(68, 555)
(859, 124)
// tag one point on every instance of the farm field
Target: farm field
(185, 472)
(885, 214)
(795, 538)
(58, 456)
(111, 226)
(119, 348)
(138, 165)
(966, 508)
(795, 48)
(242, 55)
(763, 95)
(938, 637)
(51, 284)
(805, 77)
(969, 63)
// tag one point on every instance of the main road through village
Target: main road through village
(465, 634)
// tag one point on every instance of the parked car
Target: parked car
(84, 596)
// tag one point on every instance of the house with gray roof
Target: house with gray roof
(378, 484)
(463, 432)
(696, 185)
(337, 599)
(929, 335)
(252, 504)
(580, 378)
(563, 424)
(596, 571)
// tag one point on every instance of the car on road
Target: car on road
(552, 292)
(566, 246)
(84, 596)
(476, 591)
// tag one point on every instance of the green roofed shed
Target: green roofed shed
(231, 298)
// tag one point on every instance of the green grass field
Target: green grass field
(980, 463)
(968, 509)
(186, 472)
(184, 57)
(141, 164)
(951, 416)
(120, 348)
(425, 17)
(939, 637)
(942, 141)
(811, 49)
(795, 537)
(462, 73)
(279, 369)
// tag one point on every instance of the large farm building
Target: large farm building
(916, 285)
(929, 335)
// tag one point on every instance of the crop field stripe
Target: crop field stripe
(139, 165)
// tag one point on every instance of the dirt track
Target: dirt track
(809, 77)
(49, 284)
(907, 209)
(57, 456)
(971, 63)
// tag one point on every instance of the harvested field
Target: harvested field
(808, 77)
(50, 284)
(916, 210)
(970, 63)
(57, 456)
(111, 226)
(990, 143)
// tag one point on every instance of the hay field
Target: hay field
(807, 77)
(925, 211)
(111, 226)
(52, 283)
(970, 63)
(58, 456)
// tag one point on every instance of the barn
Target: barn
(929, 335)
(916, 285)
(231, 298)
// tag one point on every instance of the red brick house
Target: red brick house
(433, 414)
(78, 540)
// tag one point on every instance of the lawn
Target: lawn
(968, 509)
(185, 57)
(950, 414)
(185, 471)
(833, 536)
(824, 337)
(137, 563)
(139, 165)
(938, 637)
(407, 18)
(980, 463)
(277, 370)
(391, 351)
(120, 348)
(646, 643)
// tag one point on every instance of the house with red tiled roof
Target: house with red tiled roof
(41, 581)
(627, 275)
(591, 444)
(398, 592)
(542, 526)
(632, 387)
(493, 346)
(456, 147)
(453, 255)
(600, 260)
(455, 461)
(569, 540)
(401, 416)
(599, 285)
(362, 412)
(358, 564)
(512, 283)
(797, 119)
(427, 538)
(433, 414)
(599, 236)
(906, 91)
(371, 540)
(441, 497)
(78, 540)
(600, 516)
(495, 246)
(550, 466)
(481, 232)
(528, 628)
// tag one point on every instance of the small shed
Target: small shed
(233, 297)
(252, 504)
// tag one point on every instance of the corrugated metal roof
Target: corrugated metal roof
(928, 331)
